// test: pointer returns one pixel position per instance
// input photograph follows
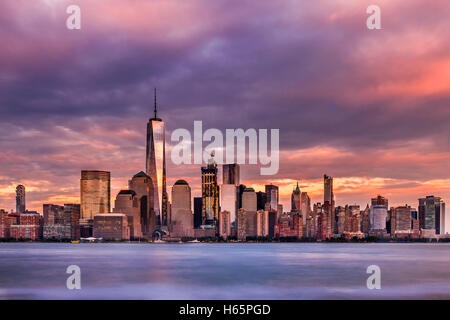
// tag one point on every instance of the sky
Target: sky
(369, 107)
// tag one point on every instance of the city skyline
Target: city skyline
(376, 128)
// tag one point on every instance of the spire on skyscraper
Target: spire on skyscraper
(155, 104)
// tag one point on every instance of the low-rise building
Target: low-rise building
(111, 226)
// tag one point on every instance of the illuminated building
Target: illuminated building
(142, 185)
(210, 193)
(20, 199)
(95, 190)
(156, 166)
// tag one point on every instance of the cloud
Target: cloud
(360, 105)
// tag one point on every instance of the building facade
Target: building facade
(95, 192)
(20, 199)
(156, 166)
(210, 194)
(111, 226)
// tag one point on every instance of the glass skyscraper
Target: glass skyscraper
(95, 192)
(156, 166)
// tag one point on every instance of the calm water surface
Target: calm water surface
(224, 271)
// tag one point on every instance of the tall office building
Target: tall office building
(198, 212)
(20, 199)
(365, 220)
(261, 199)
(181, 224)
(210, 193)
(72, 218)
(224, 224)
(95, 193)
(296, 197)
(272, 196)
(231, 174)
(229, 190)
(249, 200)
(377, 217)
(143, 187)
(156, 165)
(328, 202)
(128, 203)
(432, 214)
(305, 206)
(401, 220)
(241, 189)
(228, 200)
(181, 195)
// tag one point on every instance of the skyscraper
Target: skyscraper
(229, 189)
(272, 196)
(328, 202)
(128, 203)
(401, 220)
(432, 214)
(231, 174)
(143, 187)
(156, 165)
(20, 199)
(261, 199)
(181, 222)
(249, 200)
(296, 196)
(95, 193)
(210, 193)
(228, 200)
(198, 212)
(377, 216)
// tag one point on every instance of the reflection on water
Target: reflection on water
(224, 271)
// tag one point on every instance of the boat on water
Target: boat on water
(194, 241)
(159, 241)
(75, 241)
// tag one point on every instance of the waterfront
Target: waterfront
(224, 271)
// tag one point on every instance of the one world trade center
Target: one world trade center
(156, 166)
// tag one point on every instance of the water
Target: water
(224, 271)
